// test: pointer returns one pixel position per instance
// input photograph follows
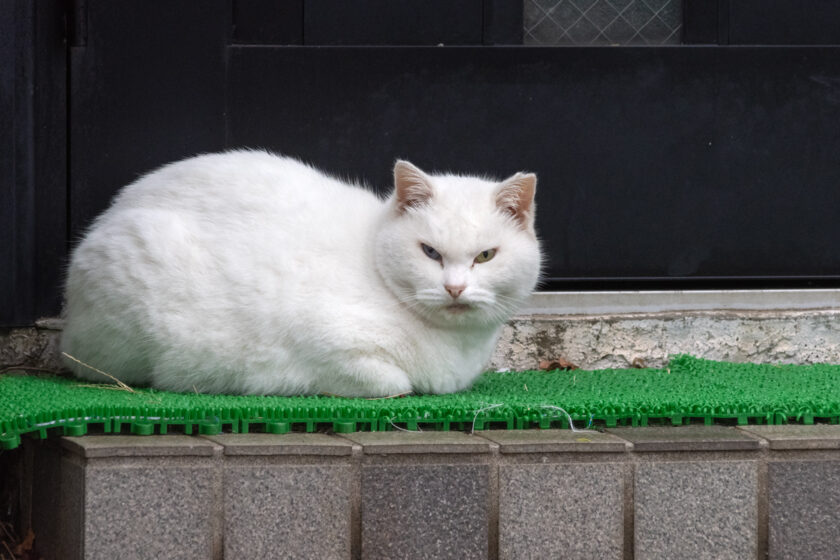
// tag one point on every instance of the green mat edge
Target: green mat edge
(146, 420)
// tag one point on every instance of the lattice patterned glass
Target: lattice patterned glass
(603, 22)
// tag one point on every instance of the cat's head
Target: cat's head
(459, 250)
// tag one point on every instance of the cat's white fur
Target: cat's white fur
(247, 272)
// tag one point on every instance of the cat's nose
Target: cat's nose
(455, 291)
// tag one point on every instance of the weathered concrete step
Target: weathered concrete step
(689, 492)
(611, 329)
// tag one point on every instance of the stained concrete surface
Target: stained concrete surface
(618, 340)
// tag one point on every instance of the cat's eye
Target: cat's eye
(431, 253)
(485, 256)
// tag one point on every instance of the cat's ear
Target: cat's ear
(515, 196)
(412, 187)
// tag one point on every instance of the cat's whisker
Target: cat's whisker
(498, 313)
(512, 300)
(412, 303)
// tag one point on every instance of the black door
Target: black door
(680, 166)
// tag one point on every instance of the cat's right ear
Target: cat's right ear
(515, 197)
(412, 187)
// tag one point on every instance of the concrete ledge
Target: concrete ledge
(798, 437)
(687, 438)
(693, 491)
(611, 329)
(648, 339)
(400, 443)
(555, 441)
(131, 446)
(658, 301)
(288, 444)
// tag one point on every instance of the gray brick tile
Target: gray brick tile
(148, 511)
(561, 511)
(425, 511)
(287, 511)
(804, 501)
(696, 510)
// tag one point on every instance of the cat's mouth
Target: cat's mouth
(457, 308)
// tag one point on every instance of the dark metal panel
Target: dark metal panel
(50, 157)
(656, 164)
(268, 22)
(23, 216)
(503, 24)
(392, 22)
(700, 22)
(8, 187)
(147, 88)
(33, 160)
(784, 22)
(723, 21)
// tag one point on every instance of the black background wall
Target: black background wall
(712, 164)
(33, 159)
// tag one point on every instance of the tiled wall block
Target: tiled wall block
(425, 511)
(804, 506)
(688, 503)
(293, 511)
(286, 496)
(561, 494)
(424, 495)
(148, 512)
(690, 492)
(803, 490)
(129, 497)
(561, 511)
(696, 510)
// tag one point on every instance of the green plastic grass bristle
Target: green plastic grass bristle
(688, 390)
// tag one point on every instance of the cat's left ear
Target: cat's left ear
(412, 187)
(515, 196)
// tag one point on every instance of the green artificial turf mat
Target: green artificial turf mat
(688, 390)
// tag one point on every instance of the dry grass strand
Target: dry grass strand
(30, 368)
(122, 385)
(398, 395)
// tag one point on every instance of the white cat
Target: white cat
(247, 272)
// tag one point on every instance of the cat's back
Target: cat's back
(241, 209)
(249, 182)
(243, 218)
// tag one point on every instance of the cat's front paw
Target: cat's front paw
(371, 377)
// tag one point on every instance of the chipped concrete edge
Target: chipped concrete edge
(650, 338)
(35, 346)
